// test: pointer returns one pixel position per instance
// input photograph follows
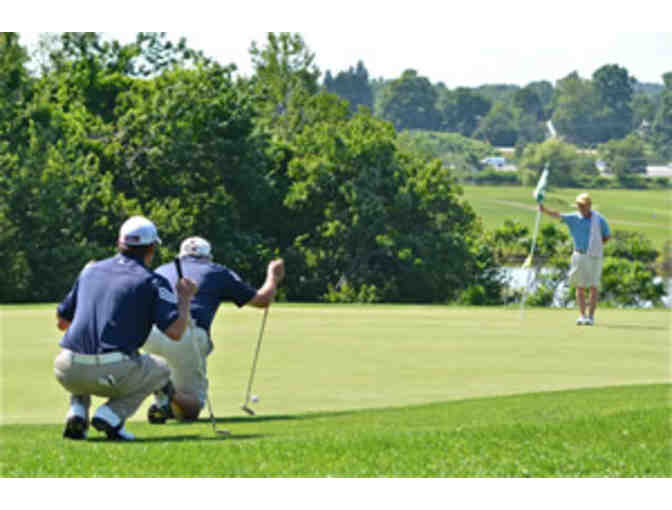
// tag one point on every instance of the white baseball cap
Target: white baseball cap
(138, 231)
(196, 247)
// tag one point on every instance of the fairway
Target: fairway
(431, 370)
(645, 211)
(336, 357)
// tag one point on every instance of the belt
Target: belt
(581, 252)
(98, 359)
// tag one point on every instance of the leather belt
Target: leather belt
(98, 359)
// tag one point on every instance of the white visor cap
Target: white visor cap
(195, 247)
(138, 231)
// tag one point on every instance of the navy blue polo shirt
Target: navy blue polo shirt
(216, 283)
(113, 305)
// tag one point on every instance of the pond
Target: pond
(518, 278)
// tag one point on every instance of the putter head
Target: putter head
(248, 410)
(222, 432)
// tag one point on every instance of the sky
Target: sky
(478, 43)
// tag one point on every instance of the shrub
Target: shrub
(344, 293)
(542, 296)
(627, 283)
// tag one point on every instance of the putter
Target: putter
(213, 422)
(245, 407)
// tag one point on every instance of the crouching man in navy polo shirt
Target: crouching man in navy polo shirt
(187, 358)
(106, 317)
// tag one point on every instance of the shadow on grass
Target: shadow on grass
(634, 326)
(261, 419)
(180, 438)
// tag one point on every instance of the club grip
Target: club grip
(178, 267)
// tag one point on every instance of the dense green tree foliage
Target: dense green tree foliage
(499, 126)
(662, 125)
(625, 156)
(461, 110)
(568, 165)
(614, 88)
(363, 207)
(352, 85)
(260, 165)
(410, 102)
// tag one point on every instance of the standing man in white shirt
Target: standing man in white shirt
(589, 231)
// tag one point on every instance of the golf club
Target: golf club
(215, 430)
(245, 407)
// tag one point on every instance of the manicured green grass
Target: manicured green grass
(645, 211)
(376, 391)
(622, 431)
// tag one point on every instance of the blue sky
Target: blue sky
(479, 42)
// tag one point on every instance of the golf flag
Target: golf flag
(538, 193)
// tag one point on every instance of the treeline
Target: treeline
(93, 131)
(270, 164)
(609, 106)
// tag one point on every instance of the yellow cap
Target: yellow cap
(584, 199)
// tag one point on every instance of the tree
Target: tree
(99, 70)
(409, 102)
(383, 224)
(614, 88)
(626, 156)
(528, 101)
(499, 126)
(643, 112)
(462, 109)
(662, 125)
(285, 76)
(353, 86)
(16, 89)
(576, 104)
(567, 164)
(544, 91)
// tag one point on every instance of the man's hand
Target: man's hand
(186, 289)
(274, 275)
(61, 323)
(276, 270)
(554, 214)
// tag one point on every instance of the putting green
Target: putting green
(337, 357)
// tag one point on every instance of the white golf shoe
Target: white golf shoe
(589, 322)
(581, 321)
(106, 420)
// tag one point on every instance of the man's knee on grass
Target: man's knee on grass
(186, 406)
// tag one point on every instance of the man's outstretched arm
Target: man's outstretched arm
(554, 214)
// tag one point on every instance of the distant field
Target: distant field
(645, 211)
(379, 390)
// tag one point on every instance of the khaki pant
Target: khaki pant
(186, 359)
(126, 383)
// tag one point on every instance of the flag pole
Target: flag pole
(538, 195)
(528, 265)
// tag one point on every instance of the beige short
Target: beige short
(187, 364)
(585, 270)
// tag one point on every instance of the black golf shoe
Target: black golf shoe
(75, 428)
(157, 415)
(118, 433)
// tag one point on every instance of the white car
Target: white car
(496, 161)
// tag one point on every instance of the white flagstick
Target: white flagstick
(538, 195)
(528, 265)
